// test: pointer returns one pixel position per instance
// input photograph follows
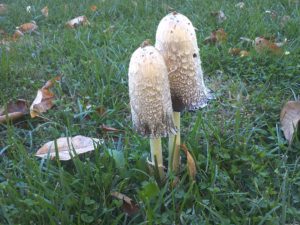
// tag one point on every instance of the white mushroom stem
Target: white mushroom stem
(174, 145)
(156, 155)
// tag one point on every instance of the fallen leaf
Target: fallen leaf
(68, 146)
(80, 20)
(240, 5)
(190, 162)
(17, 35)
(289, 119)
(220, 16)
(234, 51)
(27, 27)
(218, 36)
(244, 53)
(44, 99)
(109, 129)
(3, 9)
(129, 207)
(45, 11)
(263, 45)
(280, 44)
(93, 8)
(13, 110)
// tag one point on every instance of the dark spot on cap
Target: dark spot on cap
(174, 13)
(171, 31)
(194, 55)
(150, 53)
(177, 21)
(189, 23)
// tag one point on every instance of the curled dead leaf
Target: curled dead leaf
(216, 37)
(80, 20)
(289, 119)
(234, 51)
(129, 207)
(244, 53)
(219, 15)
(106, 128)
(44, 99)
(93, 8)
(13, 110)
(17, 35)
(27, 27)
(45, 11)
(263, 45)
(191, 165)
(68, 146)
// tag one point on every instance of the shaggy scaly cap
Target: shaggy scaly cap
(176, 41)
(149, 92)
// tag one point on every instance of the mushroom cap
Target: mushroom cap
(176, 40)
(149, 92)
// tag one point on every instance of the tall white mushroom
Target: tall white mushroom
(150, 99)
(176, 40)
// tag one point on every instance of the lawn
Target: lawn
(247, 173)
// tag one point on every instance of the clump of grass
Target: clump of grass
(247, 172)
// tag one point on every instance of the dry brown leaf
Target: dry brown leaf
(13, 110)
(190, 162)
(80, 20)
(128, 206)
(220, 16)
(44, 99)
(45, 11)
(289, 119)
(109, 129)
(218, 36)
(3, 9)
(66, 147)
(234, 51)
(263, 45)
(17, 35)
(93, 8)
(244, 53)
(27, 27)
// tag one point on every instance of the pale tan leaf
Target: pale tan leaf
(128, 206)
(13, 110)
(191, 165)
(44, 99)
(93, 8)
(289, 119)
(27, 27)
(66, 147)
(80, 20)
(45, 11)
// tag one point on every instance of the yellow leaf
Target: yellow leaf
(190, 162)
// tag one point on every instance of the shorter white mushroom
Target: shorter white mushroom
(150, 99)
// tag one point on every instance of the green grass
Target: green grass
(247, 172)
